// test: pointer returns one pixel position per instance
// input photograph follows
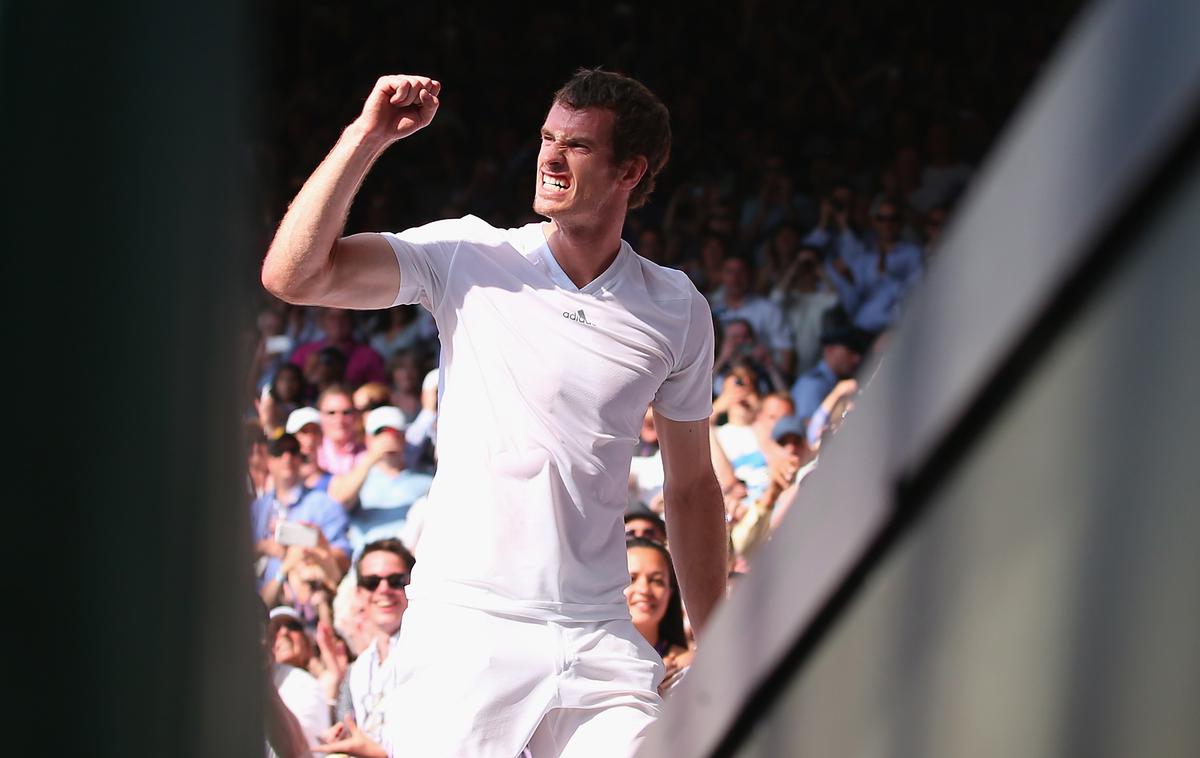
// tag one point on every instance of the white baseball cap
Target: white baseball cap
(300, 418)
(386, 417)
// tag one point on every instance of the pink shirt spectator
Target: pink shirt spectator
(339, 460)
(363, 364)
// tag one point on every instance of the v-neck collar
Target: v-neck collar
(596, 285)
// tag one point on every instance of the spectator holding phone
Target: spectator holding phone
(291, 503)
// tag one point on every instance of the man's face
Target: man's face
(887, 222)
(285, 467)
(338, 418)
(337, 324)
(737, 333)
(792, 444)
(575, 172)
(734, 277)
(773, 409)
(385, 603)
(309, 437)
(842, 360)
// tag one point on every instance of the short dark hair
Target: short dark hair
(641, 123)
(284, 443)
(650, 516)
(387, 545)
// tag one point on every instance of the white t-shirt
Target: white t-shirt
(543, 390)
(301, 693)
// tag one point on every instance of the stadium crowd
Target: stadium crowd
(819, 151)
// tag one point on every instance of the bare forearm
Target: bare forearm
(344, 487)
(695, 518)
(302, 251)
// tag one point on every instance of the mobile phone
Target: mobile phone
(288, 533)
(280, 343)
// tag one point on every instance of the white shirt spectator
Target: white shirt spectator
(301, 693)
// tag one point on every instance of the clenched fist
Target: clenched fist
(398, 106)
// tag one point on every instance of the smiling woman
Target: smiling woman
(655, 604)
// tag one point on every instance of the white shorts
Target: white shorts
(476, 683)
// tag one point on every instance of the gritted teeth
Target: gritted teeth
(553, 182)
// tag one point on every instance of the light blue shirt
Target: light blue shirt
(812, 387)
(383, 504)
(312, 506)
(873, 299)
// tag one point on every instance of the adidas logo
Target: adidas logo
(578, 316)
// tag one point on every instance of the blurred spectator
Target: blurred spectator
(932, 228)
(650, 245)
(274, 345)
(380, 489)
(645, 525)
(872, 279)
(737, 438)
(258, 474)
(738, 347)
(943, 176)
(841, 353)
(290, 501)
(656, 605)
(370, 396)
(305, 425)
(363, 364)
(340, 449)
(734, 300)
(777, 202)
(646, 467)
(297, 688)
(326, 368)
(402, 328)
(805, 296)
(309, 579)
(406, 375)
(284, 394)
(705, 268)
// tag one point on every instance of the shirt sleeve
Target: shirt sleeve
(334, 523)
(424, 254)
(807, 394)
(686, 395)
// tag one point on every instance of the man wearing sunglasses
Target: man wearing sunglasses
(382, 570)
(872, 278)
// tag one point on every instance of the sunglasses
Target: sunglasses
(370, 582)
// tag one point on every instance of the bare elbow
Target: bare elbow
(285, 283)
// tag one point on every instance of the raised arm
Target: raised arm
(309, 262)
(695, 515)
